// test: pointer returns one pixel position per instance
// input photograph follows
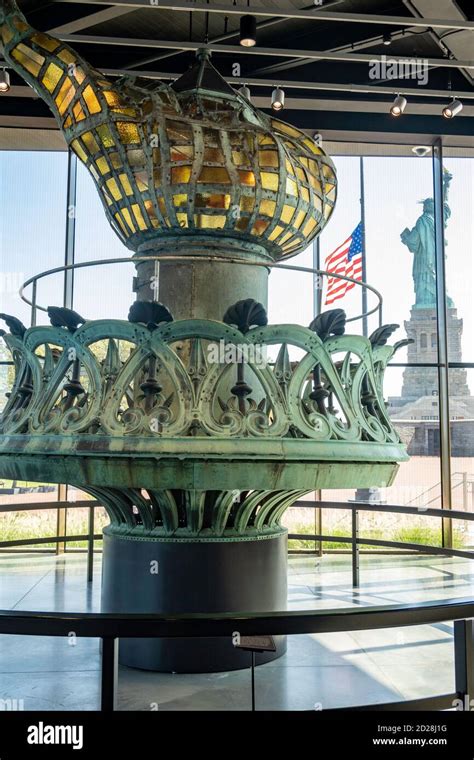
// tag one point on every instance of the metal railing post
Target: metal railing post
(33, 303)
(464, 661)
(355, 549)
(109, 674)
(443, 357)
(90, 546)
(61, 518)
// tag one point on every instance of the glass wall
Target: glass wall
(33, 203)
(390, 195)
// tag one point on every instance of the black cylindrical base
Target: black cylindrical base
(171, 576)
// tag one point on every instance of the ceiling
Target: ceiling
(333, 95)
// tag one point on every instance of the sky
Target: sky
(32, 238)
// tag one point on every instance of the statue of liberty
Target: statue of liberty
(421, 242)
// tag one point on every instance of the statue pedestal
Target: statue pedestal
(179, 576)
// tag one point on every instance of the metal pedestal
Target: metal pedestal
(173, 576)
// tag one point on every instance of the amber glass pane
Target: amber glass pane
(151, 213)
(91, 100)
(242, 224)
(128, 132)
(181, 153)
(180, 174)
(268, 158)
(78, 112)
(52, 76)
(122, 226)
(65, 95)
(298, 221)
(269, 181)
(285, 238)
(136, 157)
(137, 212)
(309, 227)
(266, 140)
(212, 200)
(291, 187)
(114, 189)
(214, 155)
(105, 136)
(206, 221)
(141, 178)
(214, 174)
(239, 158)
(103, 165)
(312, 146)
(126, 184)
(27, 57)
(247, 178)
(182, 219)
(180, 199)
(112, 98)
(67, 56)
(287, 214)
(259, 227)
(90, 142)
(275, 232)
(45, 41)
(128, 219)
(286, 129)
(315, 184)
(304, 192)
(115, 160)
(79, 150)
(247, 202)
(267, 207)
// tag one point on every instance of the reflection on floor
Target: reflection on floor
(318, 672)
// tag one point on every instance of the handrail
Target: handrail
(111, 627)
(193, 257)
(197, 625)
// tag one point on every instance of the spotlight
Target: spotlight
(452, 109)
(248, 31)
(4, 80)
(278, 99)
(387, 38)
(421, 150)
(398, 105)
(245, 92)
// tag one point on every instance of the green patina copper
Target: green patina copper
(116, 407)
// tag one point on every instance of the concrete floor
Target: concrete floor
(318, 671)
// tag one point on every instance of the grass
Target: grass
(415, 534)
(15, 526)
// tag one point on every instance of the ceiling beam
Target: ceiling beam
(314, 55)
(290, 13)
(229, 35)
(421, 92)
(347, 47)
(92, 19)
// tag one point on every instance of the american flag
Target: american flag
(345, 260)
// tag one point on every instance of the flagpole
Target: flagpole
(365, 330)
(317, 279)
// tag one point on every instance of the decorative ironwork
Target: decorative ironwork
(123, 378)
